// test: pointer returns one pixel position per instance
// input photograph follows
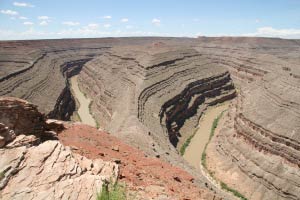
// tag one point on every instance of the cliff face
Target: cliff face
(129, 82)
(202, 93)
(44, 80)
(150, 92)
(21, 116)
(35, 166)
(257, 150)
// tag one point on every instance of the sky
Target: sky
(47, 19)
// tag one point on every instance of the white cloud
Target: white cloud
(9, 12)
(272, 32)
(107, 25)
(43, 18)
(31, 33)
(129, 27)
(70, 23)
(81, 32)
(93, 26)
(23, 18)
(124, 20)
(23, 4)
(107, 17)
(156, 22)
(84, 32)
(28, 23)
(43, 23)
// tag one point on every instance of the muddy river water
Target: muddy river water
(194, 151)
(84, 102)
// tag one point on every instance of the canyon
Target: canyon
(149, 94)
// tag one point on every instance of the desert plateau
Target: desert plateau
(149, 117)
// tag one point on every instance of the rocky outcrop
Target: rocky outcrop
(6, 135)
(52, 171)
(152, 91)
(33, 167)
(65, 105)
(21, 117)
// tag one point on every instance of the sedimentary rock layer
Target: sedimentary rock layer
(152, 91)
(257, 151)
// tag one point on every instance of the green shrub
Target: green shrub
(212, 132)
(186, 144)
(116, 192)
(2, 175)
(203, 159)
(233, 191)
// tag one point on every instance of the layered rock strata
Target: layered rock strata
(32, 168)
(257, 150)
(151, 92)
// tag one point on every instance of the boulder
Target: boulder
(6, 135)
(51, 171)
(21, 116)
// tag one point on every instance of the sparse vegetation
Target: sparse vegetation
(186, 143)
(76, 117)
(90, 110)
(214, 125)
(224, 186)
(97, 124)
(116, 192)
(203, 158)
(212, 132)
(233, 191)
(81, 89)
(90, 107)
(1, 175)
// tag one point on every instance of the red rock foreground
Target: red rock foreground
(145, 177)
(35, 165)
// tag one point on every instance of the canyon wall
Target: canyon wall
(256, 151)
(151, 92)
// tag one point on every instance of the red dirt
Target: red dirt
(136, 169)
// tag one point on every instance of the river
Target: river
(84, 102)
(195, 149)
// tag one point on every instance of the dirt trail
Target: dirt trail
(84, 102)
(194, 150)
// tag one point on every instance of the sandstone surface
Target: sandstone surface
(34, 168)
